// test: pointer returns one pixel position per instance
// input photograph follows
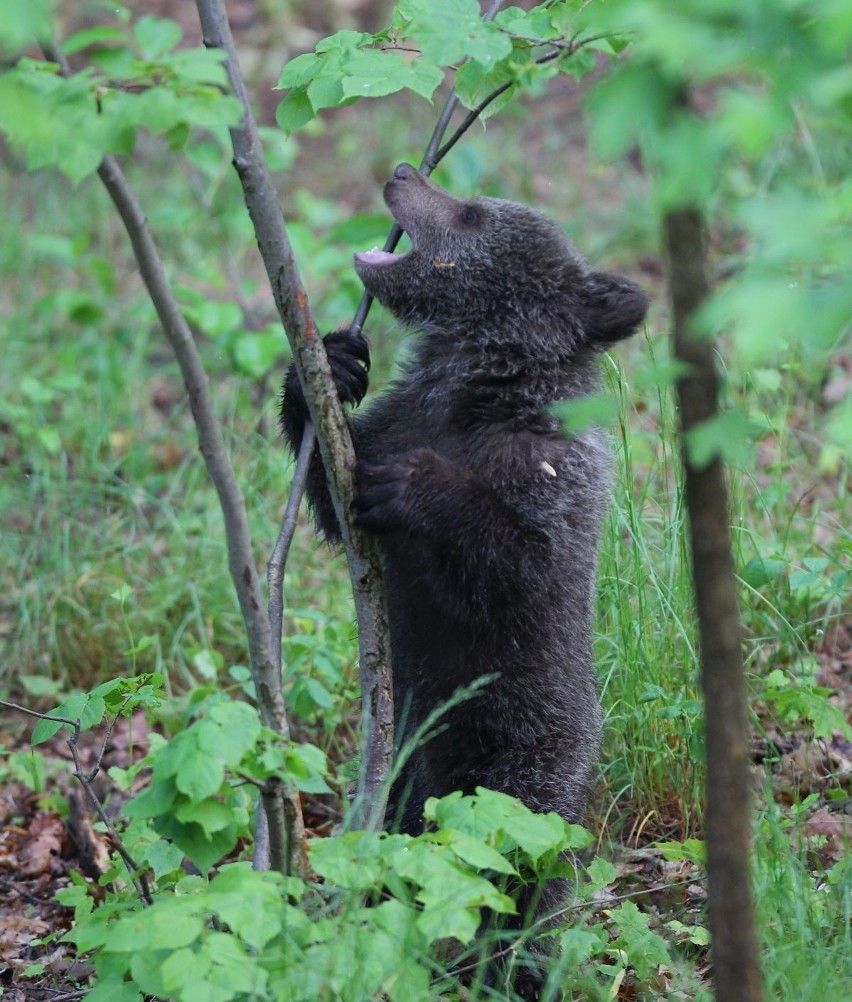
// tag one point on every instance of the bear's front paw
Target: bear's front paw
(389, 495)
(349, 358)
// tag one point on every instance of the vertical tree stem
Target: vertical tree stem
(736, 964)
(329, 422)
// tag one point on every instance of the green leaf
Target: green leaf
(371, 73)
(199, 776)
(168, 925)
(760, 571)
(475, 851)
(211, 815)
(22, 23)
(72, 708)
(295, 110)
(344, 41)
(475, 82)
(445, 917)
(205, 849)
(202, 66)
(692, 849)
(236, 731)
(326, 91)
(155, 36)
(448, 30)
(90, 36)
(300, 71)
(578, 945)
(645, 950)
(308, 766)
(726, 436)
(601, 872)
(352, 860)
(255, 353)
(39, 685)
(581, 412)
(154, 802)
(163, 858)
(184, 969)
(535, 23)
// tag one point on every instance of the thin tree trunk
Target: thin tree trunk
(285, 826)
(329, 421)
(735, 954)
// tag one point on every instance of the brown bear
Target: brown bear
(488, 514)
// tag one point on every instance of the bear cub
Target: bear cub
(488, 514)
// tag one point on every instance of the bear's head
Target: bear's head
(487, 265)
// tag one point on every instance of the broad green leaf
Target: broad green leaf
(444, 918)
(205, 849)
(211, 815)
(184, 969)
(760, 571)
(601, 872)
(646, 950)
(163, 857)
(39, 685)
(91, 36)
(475, 82)
(167, 925)
(153, 802)
(72, 708)
(326, 91)
(256, 352)
(237, 730)
(307, 765)
(692, 849)
(474, 851)
(578, 945)
(155, 36)
(344, 41)
(728, 436)
(22, 23)
(535, 23)
(203, 66)
(354, 860)
(449, 30)
(372, 73)
(300, 71)
(581, 412)
(199, 775)
(626, 107)
(114, 990)
(295, 110)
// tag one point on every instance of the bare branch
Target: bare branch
(265, 673)
(275, 568)
(41, 716)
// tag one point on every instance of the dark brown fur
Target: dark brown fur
(488, 514)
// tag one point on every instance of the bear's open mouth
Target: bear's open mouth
(378, 258)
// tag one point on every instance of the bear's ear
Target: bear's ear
(612, 307)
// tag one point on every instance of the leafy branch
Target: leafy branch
(86, 778)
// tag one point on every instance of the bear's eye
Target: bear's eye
(470, 215)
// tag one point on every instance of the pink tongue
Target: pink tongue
(375, 257)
